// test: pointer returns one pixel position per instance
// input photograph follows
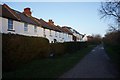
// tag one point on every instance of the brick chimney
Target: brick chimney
(27, 11)
(50, 22)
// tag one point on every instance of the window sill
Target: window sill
(11, 30)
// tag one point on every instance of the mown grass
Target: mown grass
(49, 67)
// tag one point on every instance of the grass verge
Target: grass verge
(49, 67)
(113, 52)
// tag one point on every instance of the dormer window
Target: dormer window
(10, 24)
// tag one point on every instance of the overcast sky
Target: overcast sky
(82, 16)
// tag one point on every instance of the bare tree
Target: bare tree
(111, 9)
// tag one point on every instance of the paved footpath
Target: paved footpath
(96, 64)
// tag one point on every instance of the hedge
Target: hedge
(66, 47)
(18, 50)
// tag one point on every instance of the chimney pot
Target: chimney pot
(51, 22)
(27, 11)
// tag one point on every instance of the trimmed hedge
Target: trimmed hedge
(66, 47)
(18, 50)
(74, 46)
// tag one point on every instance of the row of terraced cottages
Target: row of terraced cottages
(23, 23)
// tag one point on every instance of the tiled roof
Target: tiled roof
(54, 27)
(67, 30)
(62, 30)
(45, 24)
(8, 13)
(26, 18)
(73, 29)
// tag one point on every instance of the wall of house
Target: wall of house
(52, 36)
(47, 33)
(61, 36)
(0, 24)
(84, 39)
(78, 36)
(5, 25)
(40, 31)
(71, 37)
(19, 29)
(81, 36)
(56, 36)
(65, 37)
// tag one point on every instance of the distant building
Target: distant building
(89, 38)
(76, 35)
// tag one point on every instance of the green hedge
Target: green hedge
(112, 46)
(66, 47)
(18, 50)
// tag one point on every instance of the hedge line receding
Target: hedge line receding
(18, 49)
(66, 47)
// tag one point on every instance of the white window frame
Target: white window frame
(10, 25)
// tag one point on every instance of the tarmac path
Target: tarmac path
(95, 64)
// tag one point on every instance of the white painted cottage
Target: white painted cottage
(76, 35)
(23, 23)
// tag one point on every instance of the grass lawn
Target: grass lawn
(49, 67)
